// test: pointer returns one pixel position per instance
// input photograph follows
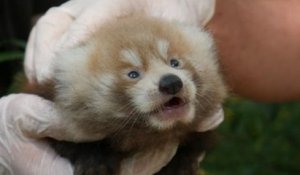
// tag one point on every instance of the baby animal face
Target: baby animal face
(143, 71)
(152, 86)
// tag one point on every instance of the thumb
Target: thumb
(38, 118)
(211, 122)
(32, 114)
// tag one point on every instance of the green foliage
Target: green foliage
(14, 42)
(12, 54)
(9, 56)
(257, 139)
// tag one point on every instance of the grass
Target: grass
(257, 139)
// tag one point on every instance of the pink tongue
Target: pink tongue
(173, 103)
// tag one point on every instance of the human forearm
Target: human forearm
(259, 47)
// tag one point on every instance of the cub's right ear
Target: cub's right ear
(211, 122)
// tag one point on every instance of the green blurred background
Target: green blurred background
(255, 138)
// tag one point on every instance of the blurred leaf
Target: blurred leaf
(14, 43)
(9, 56)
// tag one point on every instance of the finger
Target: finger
(204, 10)
(75, 7)
(42, 41)
(21, 155)
(4, 168)
(34, 157)
(211, 122)
(93, 17)
(29, 62)
(196, 12)
(30, 110)
(148, 162)
(45, 36)
(34, 117)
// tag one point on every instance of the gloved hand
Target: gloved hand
(26, 116)
(73, 22)
(19, 154)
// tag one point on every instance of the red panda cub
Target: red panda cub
(140, 86)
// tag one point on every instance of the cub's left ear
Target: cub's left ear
(211, 122)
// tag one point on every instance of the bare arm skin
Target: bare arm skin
(259, 47)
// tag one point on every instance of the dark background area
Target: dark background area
(15, 24)
(255, 138)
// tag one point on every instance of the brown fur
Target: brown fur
(124, 36)
(104, 157)
(45, 90)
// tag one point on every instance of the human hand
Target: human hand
(73, 22)
(19, 153)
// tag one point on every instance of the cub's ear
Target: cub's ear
(211, 122)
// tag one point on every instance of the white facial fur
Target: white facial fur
(78, 86)
(147, 97)
(131, 57)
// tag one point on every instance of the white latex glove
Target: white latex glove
(19, 154)
(75, 21)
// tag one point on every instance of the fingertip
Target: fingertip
(206, 11)
(211, 122)
(29, 55)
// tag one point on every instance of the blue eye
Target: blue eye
(133, 74)
(174, 63)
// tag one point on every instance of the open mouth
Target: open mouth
(173, 103)
(172, 110)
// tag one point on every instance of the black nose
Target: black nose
(170, 84)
